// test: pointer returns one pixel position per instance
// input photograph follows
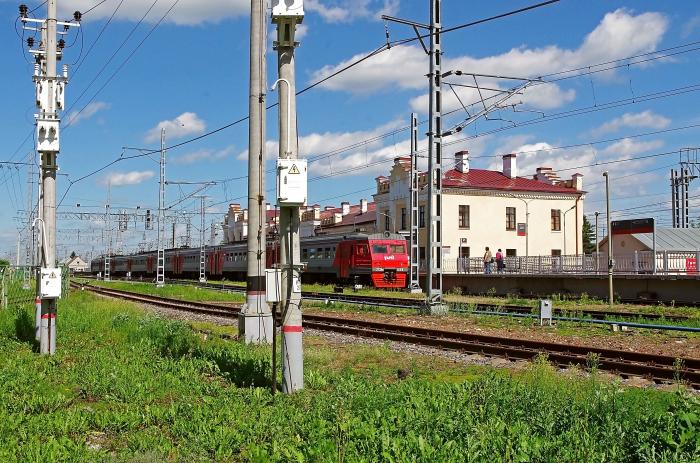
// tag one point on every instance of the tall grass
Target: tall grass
(126, 386)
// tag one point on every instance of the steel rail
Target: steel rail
(480, 308)
(659, 368)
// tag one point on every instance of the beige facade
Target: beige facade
(488, 209)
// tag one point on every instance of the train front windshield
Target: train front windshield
(380, 249)
(388, 249)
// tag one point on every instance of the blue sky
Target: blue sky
(191, 76)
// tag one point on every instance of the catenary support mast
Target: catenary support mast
(160, 262)
(255, 319)
(287, 15)
(49, 97)
(414, 270)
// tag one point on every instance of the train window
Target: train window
(305, 254)
(362, 250)
(398, 249)
(327, 254)
(379, 248)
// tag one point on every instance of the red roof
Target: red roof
(494, 180)
(354, 217)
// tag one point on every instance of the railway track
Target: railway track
(658, 368)
(477, 308)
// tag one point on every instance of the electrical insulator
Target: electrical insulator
(23, 10)
(61, 44)
(77, 16)
(30, 42)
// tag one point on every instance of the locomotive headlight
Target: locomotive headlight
(377, 269)
(402, 270)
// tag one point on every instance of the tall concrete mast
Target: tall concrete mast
(291, 173)
(49, 98)
(255, 319)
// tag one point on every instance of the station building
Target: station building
(498, 209)
(537, 215)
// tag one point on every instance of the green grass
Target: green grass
(126, 386)
(183, 292)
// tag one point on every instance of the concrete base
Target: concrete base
(255, 328)
(676, 289)
(437, 309)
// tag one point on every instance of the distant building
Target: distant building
(75, 264)
(313, 220)
(667, 239)
(489, 208)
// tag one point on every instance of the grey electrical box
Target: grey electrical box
(50, 286)
(545, 311)
(273, 284)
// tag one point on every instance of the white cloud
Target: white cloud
(364, 158)
(90, 110)
(343, 11)
(185, 124)
(203, 155)
(645, 119)
(320, 143)
(193, 12)
(302, 31)
(620, 33)
(587, 160)
(186, 12)
(690, 26)
(628, 147)
(127, 178)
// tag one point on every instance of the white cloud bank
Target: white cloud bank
(646, 119)
(203, 155)
(127, 178)
(183, 125)
(620, 33)
(344, 11)
(74, 117)
(193, 12)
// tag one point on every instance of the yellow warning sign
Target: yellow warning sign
(294, 169)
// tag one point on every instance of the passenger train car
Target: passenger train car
(380, 260)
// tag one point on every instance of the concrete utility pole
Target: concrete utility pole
(255, 319)
(597, 245)
(108, 226)
(291, 179)
(28, 252)
(49, 98)
(202, 254)
(611, 263)
(160, 272)
(414, 269)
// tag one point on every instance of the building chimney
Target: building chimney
(462, 161)
(317, 212)
(345, 207)
(510, 168)
(577, 181)
(267, 206)
(245, 215)
(337, 217)
(363, 206)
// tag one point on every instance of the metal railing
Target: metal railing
(636, 263)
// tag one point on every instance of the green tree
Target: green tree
(588, 236)
(4, 263)
(72, 255)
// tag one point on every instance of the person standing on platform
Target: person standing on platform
(500, 263)
(488, 260)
